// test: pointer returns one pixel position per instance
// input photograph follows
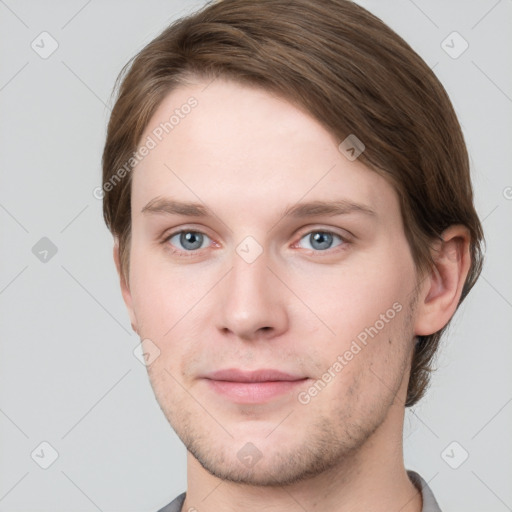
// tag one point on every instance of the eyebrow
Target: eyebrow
(172, 207)
(160, 205)
(330, 208)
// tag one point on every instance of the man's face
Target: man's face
(326, 298)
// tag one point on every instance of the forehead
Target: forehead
(240, 145)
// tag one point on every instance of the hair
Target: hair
(346, 68)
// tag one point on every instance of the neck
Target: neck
(372, 478)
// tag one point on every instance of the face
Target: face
(257, 245)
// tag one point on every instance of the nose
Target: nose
(252, 301)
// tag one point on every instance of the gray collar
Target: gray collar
(429, 501)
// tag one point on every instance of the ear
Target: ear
(442, 287)
(125, 288)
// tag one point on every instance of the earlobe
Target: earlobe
(125, 288)
(442, 288)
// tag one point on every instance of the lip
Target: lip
(261, 375)
(255, 386)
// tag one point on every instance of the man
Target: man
(289, 192)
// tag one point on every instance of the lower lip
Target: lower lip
(253, 392)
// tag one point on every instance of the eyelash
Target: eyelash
(316, 253)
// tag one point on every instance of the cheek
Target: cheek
(367, 307)
(160, 288)
(358, 294)
(171, 305)
(368, 367)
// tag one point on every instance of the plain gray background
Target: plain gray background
(68, 374)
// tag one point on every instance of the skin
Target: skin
(247, 155)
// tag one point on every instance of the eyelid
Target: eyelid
(345, 235)
(169, 233)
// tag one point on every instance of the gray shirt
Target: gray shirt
(429, 501)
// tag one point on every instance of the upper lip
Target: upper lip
(262, 375)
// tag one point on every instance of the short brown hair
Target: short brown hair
(347, 69)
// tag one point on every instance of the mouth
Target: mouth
(256, 386)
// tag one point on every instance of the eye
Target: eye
(189, 241)
(321, 240)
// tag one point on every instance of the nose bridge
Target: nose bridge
(249, 272)
(251, 300)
